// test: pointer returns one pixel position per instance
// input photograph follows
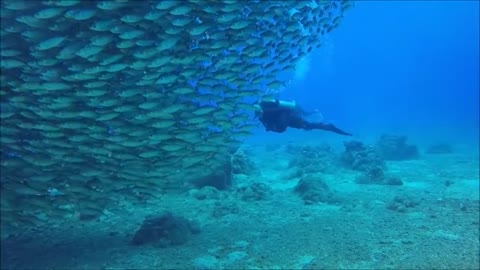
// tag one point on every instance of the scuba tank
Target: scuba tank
(281, 103)
(275, 104)
(287, 104)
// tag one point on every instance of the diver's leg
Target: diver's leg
(296, 121)
(282, 121)
(322, 126)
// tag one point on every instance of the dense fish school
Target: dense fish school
(103, 101)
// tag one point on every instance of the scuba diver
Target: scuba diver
(276, 115)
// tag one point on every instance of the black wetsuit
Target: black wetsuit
(276, 118)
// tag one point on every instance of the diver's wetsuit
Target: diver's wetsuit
(277, 118)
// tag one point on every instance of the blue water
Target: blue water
(400, 66)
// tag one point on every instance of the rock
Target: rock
(376, 176)
(220, 179)
(401, 204)
(223, 208)
(392, 147)
(206, 262)
(254, 192)
(164, 230)
(235, 256)
(313, 189)
(312, 159)
(360, 157)
(205, 193)
(242, 164)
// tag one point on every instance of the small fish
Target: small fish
(17, 5)
(181, 10)
(239, 25)
(180, 22)
(337, 20)
(88, 51)
(48, 13)
(111, 5)
(11, 63)
(80, 14)
(50, 43)
(65, 3)
(116, 67)
(198, 30)
(153, 15)
(131, 18)
(30, 21)
(227, 17)
(167, 44)
(101, 40)
(103, 25)
(167, 79)
(167, 4)
(230, 8)
(131, 34)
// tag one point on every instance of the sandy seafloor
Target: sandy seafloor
(282, 232)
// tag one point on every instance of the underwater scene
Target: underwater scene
(239, 134)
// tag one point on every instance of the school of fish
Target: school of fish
(107, 101)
